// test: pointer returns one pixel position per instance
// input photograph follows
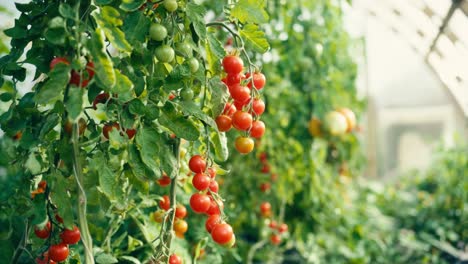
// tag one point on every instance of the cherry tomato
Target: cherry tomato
(214, 208)
(186, 94)
(71, 236)
(229, 109)
(180, 226)
(200, 203)
(164, 53)
(197, 164)
(212, 172)
(58, 252)
(43, 232)
(81, 127)
(100, 99)
(242, 120)
(181, 211)
(44, 259)
(233, 79)
(212, 221)
(283, 228)
(222, 233)
(194, 65)
(42, 184)
(201, 181)
(130, 132)
(264, 187)
(258, 129)
(258, 106)
(244, 145)
(18, 135)
(170, 6)
(265, 207)
(265, 168)
(273, 224)
(224, 123)
(263, 157)
(58, 218)
(214, 186)
(240, 105)
(165, 203)
(258, 80)
(239, 93)
(58, 60)
(158, 216)
(164, 180)
(108, 127)
(315, 127)
(350, 118)
(232, 64)
(184, 49)
(175, 259)
(275, 239)
(157, 32)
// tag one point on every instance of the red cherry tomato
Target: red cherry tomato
(58, 252)
(200, 203)
(44, 259)
(214, 208)
(175, 259)
(224, 123)
(214, 186)
(239, 93)
(283, 228)
(233, 64)
(229, 109)
(265, 207)
(242, 120)
(130, 132)
(232, 79)
(165, 203)
(108, 127)
(258, 80)
(100, 99)
(43, 232)
(201, 181)
(58, 60)
(211, 221)
(258, 129)
(264, 187)
(258, 106)
(275, 239)
(181, 211)
(197, 164)
(71, 236)
(222, 233)
(164, 180)
(212, 172)
(273, 224)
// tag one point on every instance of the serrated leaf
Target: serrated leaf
(63, 200)
(250, 11)
(254, 38)
(109, 20)
(107, 181)
(136, 107)
(195, 14)
(215, 52)
(219, 95)
(105, 258)
(52, 90)
(181, 126)
(103, 65)
(168, 160)
(191, 109)
(219, 142)
(123, 84)
(131, 5)
(147, 140)
(136, 27)
(74, 104)
(140, 170)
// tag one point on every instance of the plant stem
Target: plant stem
(21, 244)
(254, 249)
(82, 202)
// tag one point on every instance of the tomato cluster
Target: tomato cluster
(244, 111)
(335, 123)
(207, 201)
(55, 231)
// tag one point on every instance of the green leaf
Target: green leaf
(131, 5)
(103, 2)
(215, 52)
(147, 140)
(130, 259)
(67, 11)
(62, 199)
(55, 35)
(123, 84)
(181, 126)
(109, 20)
(32, 164)
(254, 38)
(136, 107)
(107, 181)
(74, 104)
(219, 95)
(195, 13)
(168, 160)
(103, 65)
(52, 90)
(191, 109)
(49, 124)
(105, 258)
(140, 170)
(136, 26)
(221, 150)
(250, 11)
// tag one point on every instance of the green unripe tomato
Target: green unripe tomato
(170, 5)
(158, 32)
(165, 53)
(184, 49)
(193, 64)
(186, 94)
